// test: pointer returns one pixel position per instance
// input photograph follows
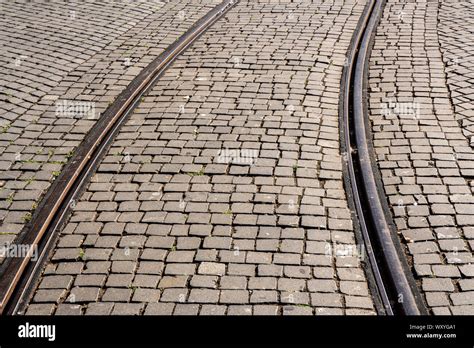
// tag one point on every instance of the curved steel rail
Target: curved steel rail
(16, 274)
(395, 283)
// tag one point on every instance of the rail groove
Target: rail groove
(394, 281)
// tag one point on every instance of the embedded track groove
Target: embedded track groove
(393, 279)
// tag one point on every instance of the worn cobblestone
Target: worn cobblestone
(64, 63)
(224, 188)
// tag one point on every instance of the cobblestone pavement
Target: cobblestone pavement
(223, 193)
(456, 37)
(63, 63)
(427, 165)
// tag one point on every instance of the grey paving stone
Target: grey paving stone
(102, 308)
(40, 309)
(204, 296)
(127, 308)
(167, 219)
(297, 310)
(212, 310)
(68, 309)
(159, 309)
(211, 268)
(117, 295)
(234, 297)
